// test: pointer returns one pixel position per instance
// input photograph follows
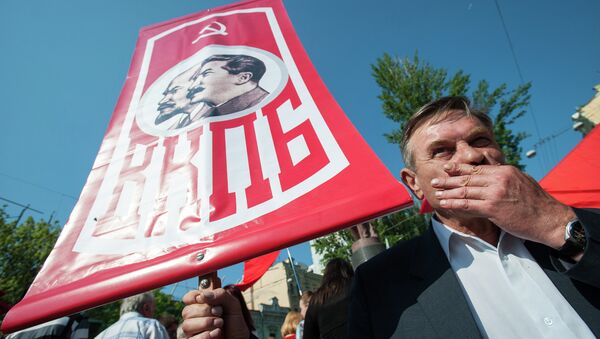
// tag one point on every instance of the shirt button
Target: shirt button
(548, 321)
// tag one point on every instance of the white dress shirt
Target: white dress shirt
(132, 325)
(508, 293)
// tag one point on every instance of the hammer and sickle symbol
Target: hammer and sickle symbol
(214, 28)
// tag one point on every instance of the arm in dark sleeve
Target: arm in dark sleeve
(311, 323)
(587, 270)
(358, 316)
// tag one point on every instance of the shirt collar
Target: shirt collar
(131, 314)
(445, 234)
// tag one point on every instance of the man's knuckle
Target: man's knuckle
(465, 204)
(185, 312)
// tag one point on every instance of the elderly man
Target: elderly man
(136, 320)
(502, 258)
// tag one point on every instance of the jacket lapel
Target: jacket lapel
(442, 299)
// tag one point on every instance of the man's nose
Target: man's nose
(468, 154)
(165, 99)
(196, 82)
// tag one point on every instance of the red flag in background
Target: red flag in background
(575, 181)
(224, 145)
(255, 268)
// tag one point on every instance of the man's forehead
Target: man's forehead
(442, 123)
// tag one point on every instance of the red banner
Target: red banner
(224, 145)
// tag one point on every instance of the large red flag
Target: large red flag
(224, 145)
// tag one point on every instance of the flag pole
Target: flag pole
(294, 270)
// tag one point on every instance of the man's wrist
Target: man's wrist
(575, 241)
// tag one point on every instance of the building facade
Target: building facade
(588, 115)
(277, 293)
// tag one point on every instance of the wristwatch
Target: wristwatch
(575, 239)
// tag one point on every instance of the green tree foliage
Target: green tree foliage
(23, 250)
(167, 304)
(103, 316)
(409, 83)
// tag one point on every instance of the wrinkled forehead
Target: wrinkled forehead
(447, 117)
(437, 120)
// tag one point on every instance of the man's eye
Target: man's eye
(481, 142)
(441, 152)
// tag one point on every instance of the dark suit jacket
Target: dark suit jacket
(241, 102)
(410, 290)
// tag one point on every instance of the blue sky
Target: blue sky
(63, 64)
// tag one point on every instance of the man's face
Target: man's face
(175, 100)
(458, 139)
(148, 309)
(212, 84)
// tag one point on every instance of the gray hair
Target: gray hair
(435, 111)
(136, 302)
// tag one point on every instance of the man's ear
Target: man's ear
(243, 77)
(409, 177)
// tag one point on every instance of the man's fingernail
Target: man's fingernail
(217, 311)
(214, 333)
(218, 322)
(435, 181)
(448, 166)
(208, 294)
(438, 193)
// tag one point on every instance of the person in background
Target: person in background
(75, 326)
(327, 313)
(170, 323)
(304, 301)
(235, 291)
(136, 320)
(288, 329)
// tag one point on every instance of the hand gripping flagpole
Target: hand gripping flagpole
(209, 281)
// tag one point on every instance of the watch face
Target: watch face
(576, 233)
